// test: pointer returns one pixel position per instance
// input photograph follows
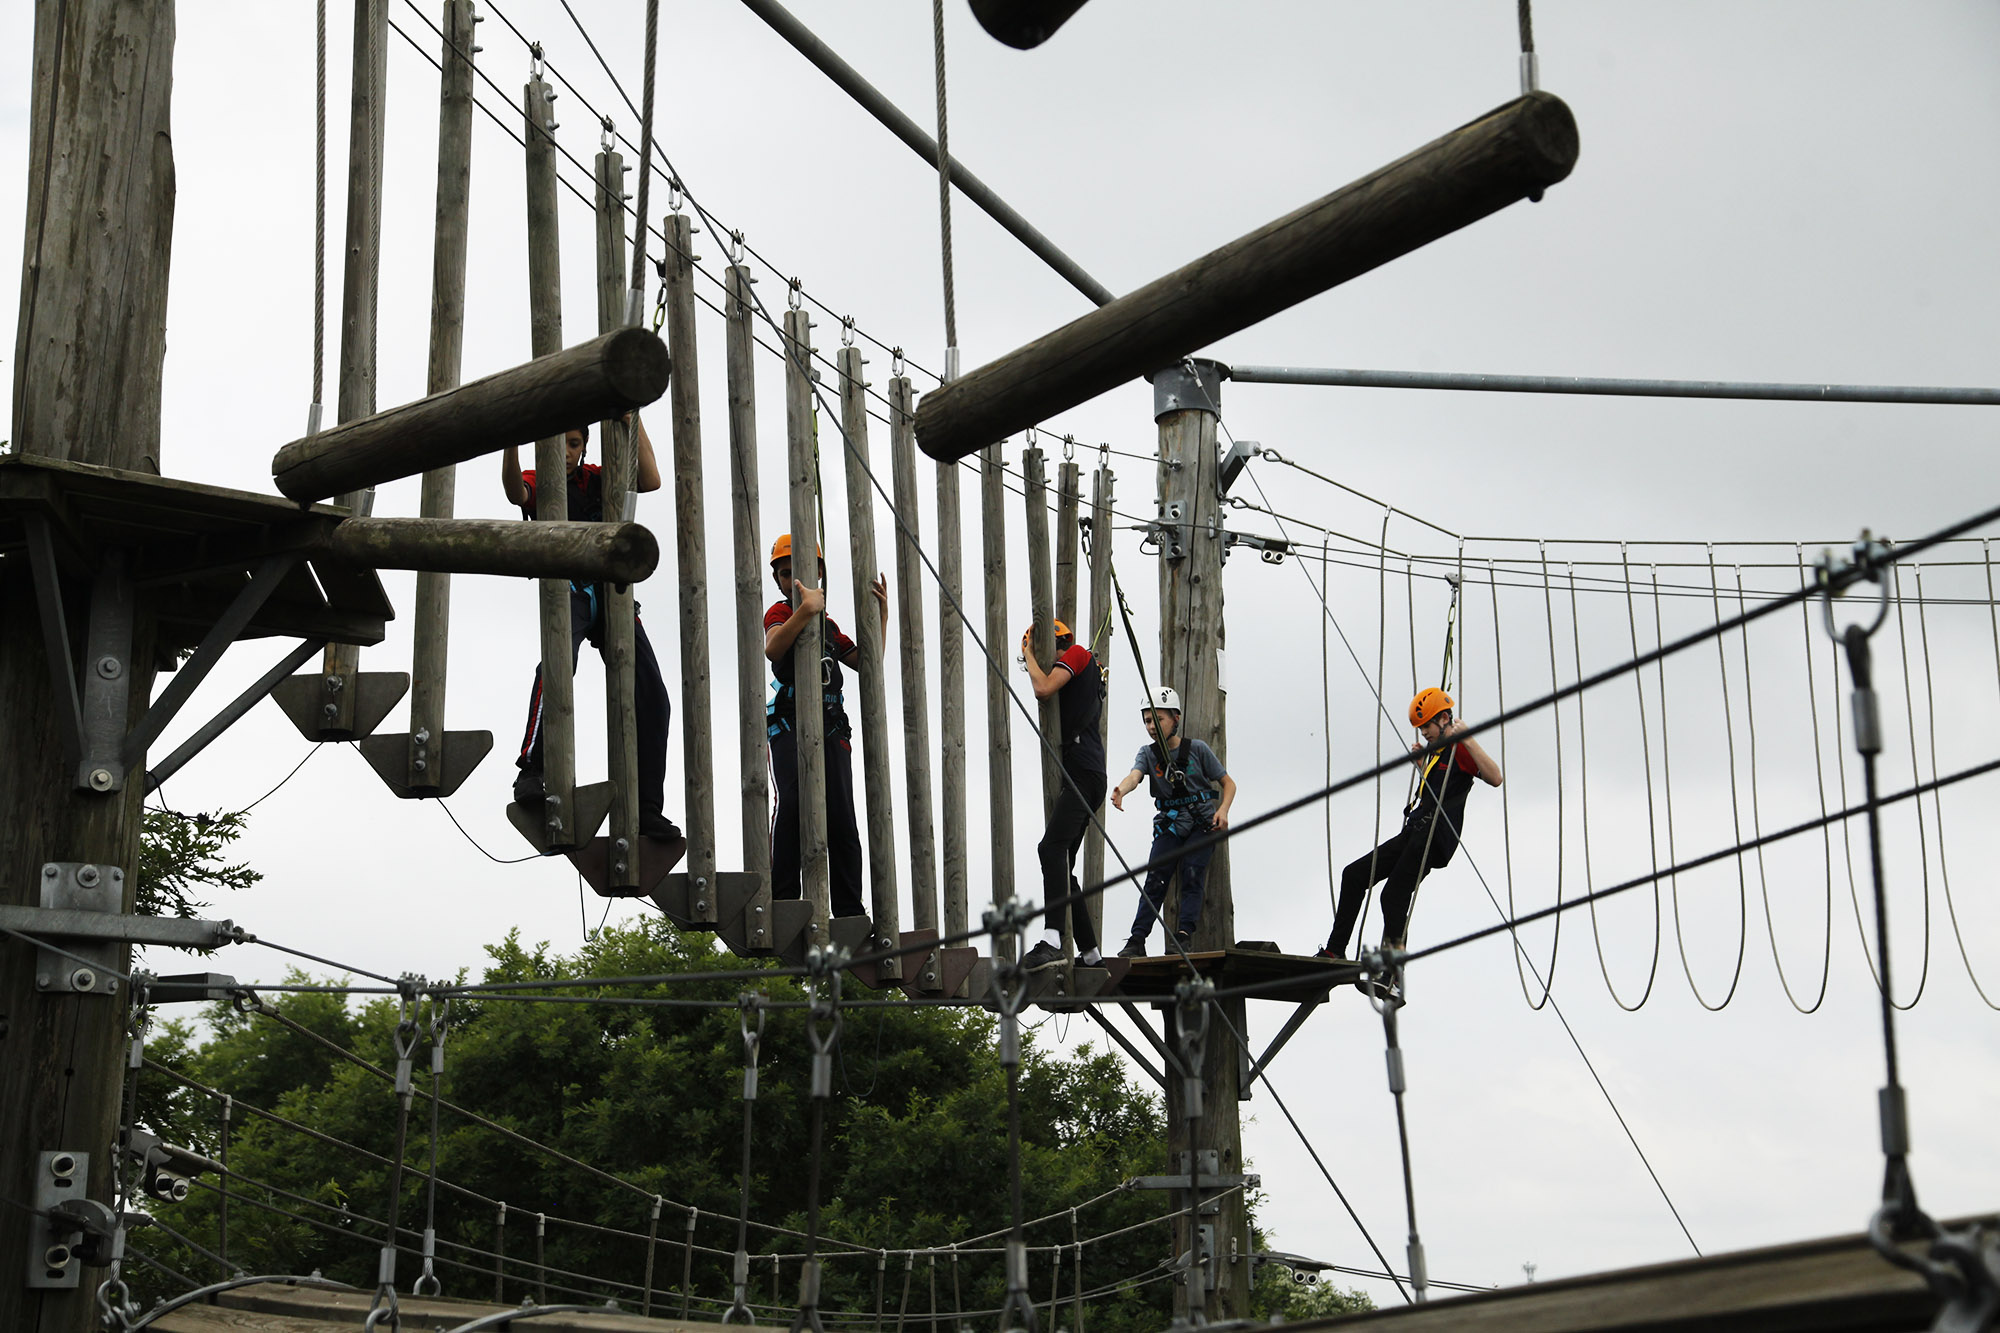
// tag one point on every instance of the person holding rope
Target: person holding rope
(1192, 792)
(585, 483)
(1426, 842)
(784, 621)
(1077, 683)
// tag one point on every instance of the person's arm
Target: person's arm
(1045, 683)
(778, 639)
(511, 480)
(647, 475)
(1484, 765)
(1221, 819)
(1124, 788)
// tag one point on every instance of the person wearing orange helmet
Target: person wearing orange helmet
(1431, 826)
(784, 621)
(1078, 687)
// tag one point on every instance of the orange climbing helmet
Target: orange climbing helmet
(1429, 702)
(781, 549)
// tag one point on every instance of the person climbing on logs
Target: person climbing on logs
(1077, 683)
(1425, 842)
(587, 602)
(783, 622)
(1192, 792)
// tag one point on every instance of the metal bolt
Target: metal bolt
(334, 684)
(83, 979)
(101, 779)
(423, 735)
(109, 667)
(330, 712)
(701, 904)
(56, 1257)
(420, 764)
(87, 876)
(50, 871)
(62, 1165)
(41, 981)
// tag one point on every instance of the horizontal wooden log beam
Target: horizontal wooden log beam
(588, 552)
(594, 381)
(1512, 153)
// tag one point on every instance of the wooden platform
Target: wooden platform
(278, 1308)
(1282, 976)
(193, 547)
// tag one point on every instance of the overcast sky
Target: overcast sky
(1765, 192)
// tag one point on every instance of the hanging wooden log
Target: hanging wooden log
(1002, 646)
(1023, 24)
(910, 579)
(808, 696)
(1512, 153)
(1100, 614)
(620, 648)
(752, 581)
(884, 907)
(1067, 500)
(951, 701)
(587, 552)
(1041, 605)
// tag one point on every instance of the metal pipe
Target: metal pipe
(1617, 387)
(849, 80)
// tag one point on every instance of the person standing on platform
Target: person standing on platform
(1077, 683)
(784, 621)
(587, 601)
(1192, 793)
(1426, 841)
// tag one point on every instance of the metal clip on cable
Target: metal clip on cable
(437, 1017)
(410, 988)
(1382, 970)
(748, 1002)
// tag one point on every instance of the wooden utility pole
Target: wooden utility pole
(808, 694)
(1187, 401)
(1100, 614)
(751, 571)
(87, 359)
(691, 552)
(951, 701)
(910, 639)
(1001, 646)
(869, 629)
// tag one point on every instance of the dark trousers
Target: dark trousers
(843, 833)
(1068, 822)
(1194, 879)
(1403, 863)
(654, 709)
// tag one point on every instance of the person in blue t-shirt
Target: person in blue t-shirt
(1193, 793)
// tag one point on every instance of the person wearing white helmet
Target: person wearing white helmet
(1077, 683)
(1192, 793)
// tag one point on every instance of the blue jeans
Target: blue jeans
(1194, 876)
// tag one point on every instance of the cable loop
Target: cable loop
(795, 297)
(674, 194)
(534, 60)
(736, 248)
(1867, 557)
(847, 330)
(1069, 448)
(607, 138)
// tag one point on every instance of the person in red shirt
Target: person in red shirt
(1426, 841)
(784, 621)
(1078, 686)
(585, 483)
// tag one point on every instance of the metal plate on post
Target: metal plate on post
(735, 893)
(592, 803)
(921, 974)
(60, 1177)
(85, 887)
(305, 701)
(452, 760)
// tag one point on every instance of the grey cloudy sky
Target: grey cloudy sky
(1768, 191)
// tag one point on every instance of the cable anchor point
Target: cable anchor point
(847, 330)
(736, 248)
(794, 295)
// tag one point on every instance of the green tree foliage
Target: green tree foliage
(182, 854)
(916, 1142)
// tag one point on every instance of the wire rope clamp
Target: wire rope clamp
(1866, 564)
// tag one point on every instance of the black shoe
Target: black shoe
(656, 826)
(528, 788)
(1332, 957)
(1134, 947)
(1185, 938)
(1042, 957)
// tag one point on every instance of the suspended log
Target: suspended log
(1002, 646)
(624, 871)
(808, 694)
(951, 704)
(605, 377)
(752, 574)
(1041, 605)
(1514, 152)
(910, 640)
(586, 552)
(1100, 613)
(1023, 24)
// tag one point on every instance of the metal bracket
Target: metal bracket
(401, 760)
(1191, 384)
(1240, 453)
(70, 923)
(61, 1177)
(1273, 550)
(307, 701)
(80, 889)
(1285, 1034)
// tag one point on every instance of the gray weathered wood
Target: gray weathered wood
(910, 580)
(1001, 646)
(869, 627)
(589, 552)
(429, 659)
(951, 701)
(1511, 153)
(691, 556)
(558, 702)
(809, 722)
(1067, 501)
(89, 347)
(360, 284)
(1100, 616)
(620, 644)
(752, 572)
(1041, 605)
(605, 377)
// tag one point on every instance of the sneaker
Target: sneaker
(1134, 947)
(1332, 957)
(1185, 938)
(1042, 956)
(528, 788)
(658, 827)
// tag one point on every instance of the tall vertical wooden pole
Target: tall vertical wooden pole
(360, 281)
(1067, 500)
(454, 192)
(808, 696)
(691, 550)
(1186, 408)
(1002, 646)
(620, 462)
(551, 470)
(87, 358)
(751, 577)
(868, 634)
(910, 624)
(951, 701)
(1100, 615)
(1041, 605)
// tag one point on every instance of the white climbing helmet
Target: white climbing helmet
(1166, 698)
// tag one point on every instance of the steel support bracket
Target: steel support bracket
(413, 767)
(79, 894)
(309, 701)
(53, 1264)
